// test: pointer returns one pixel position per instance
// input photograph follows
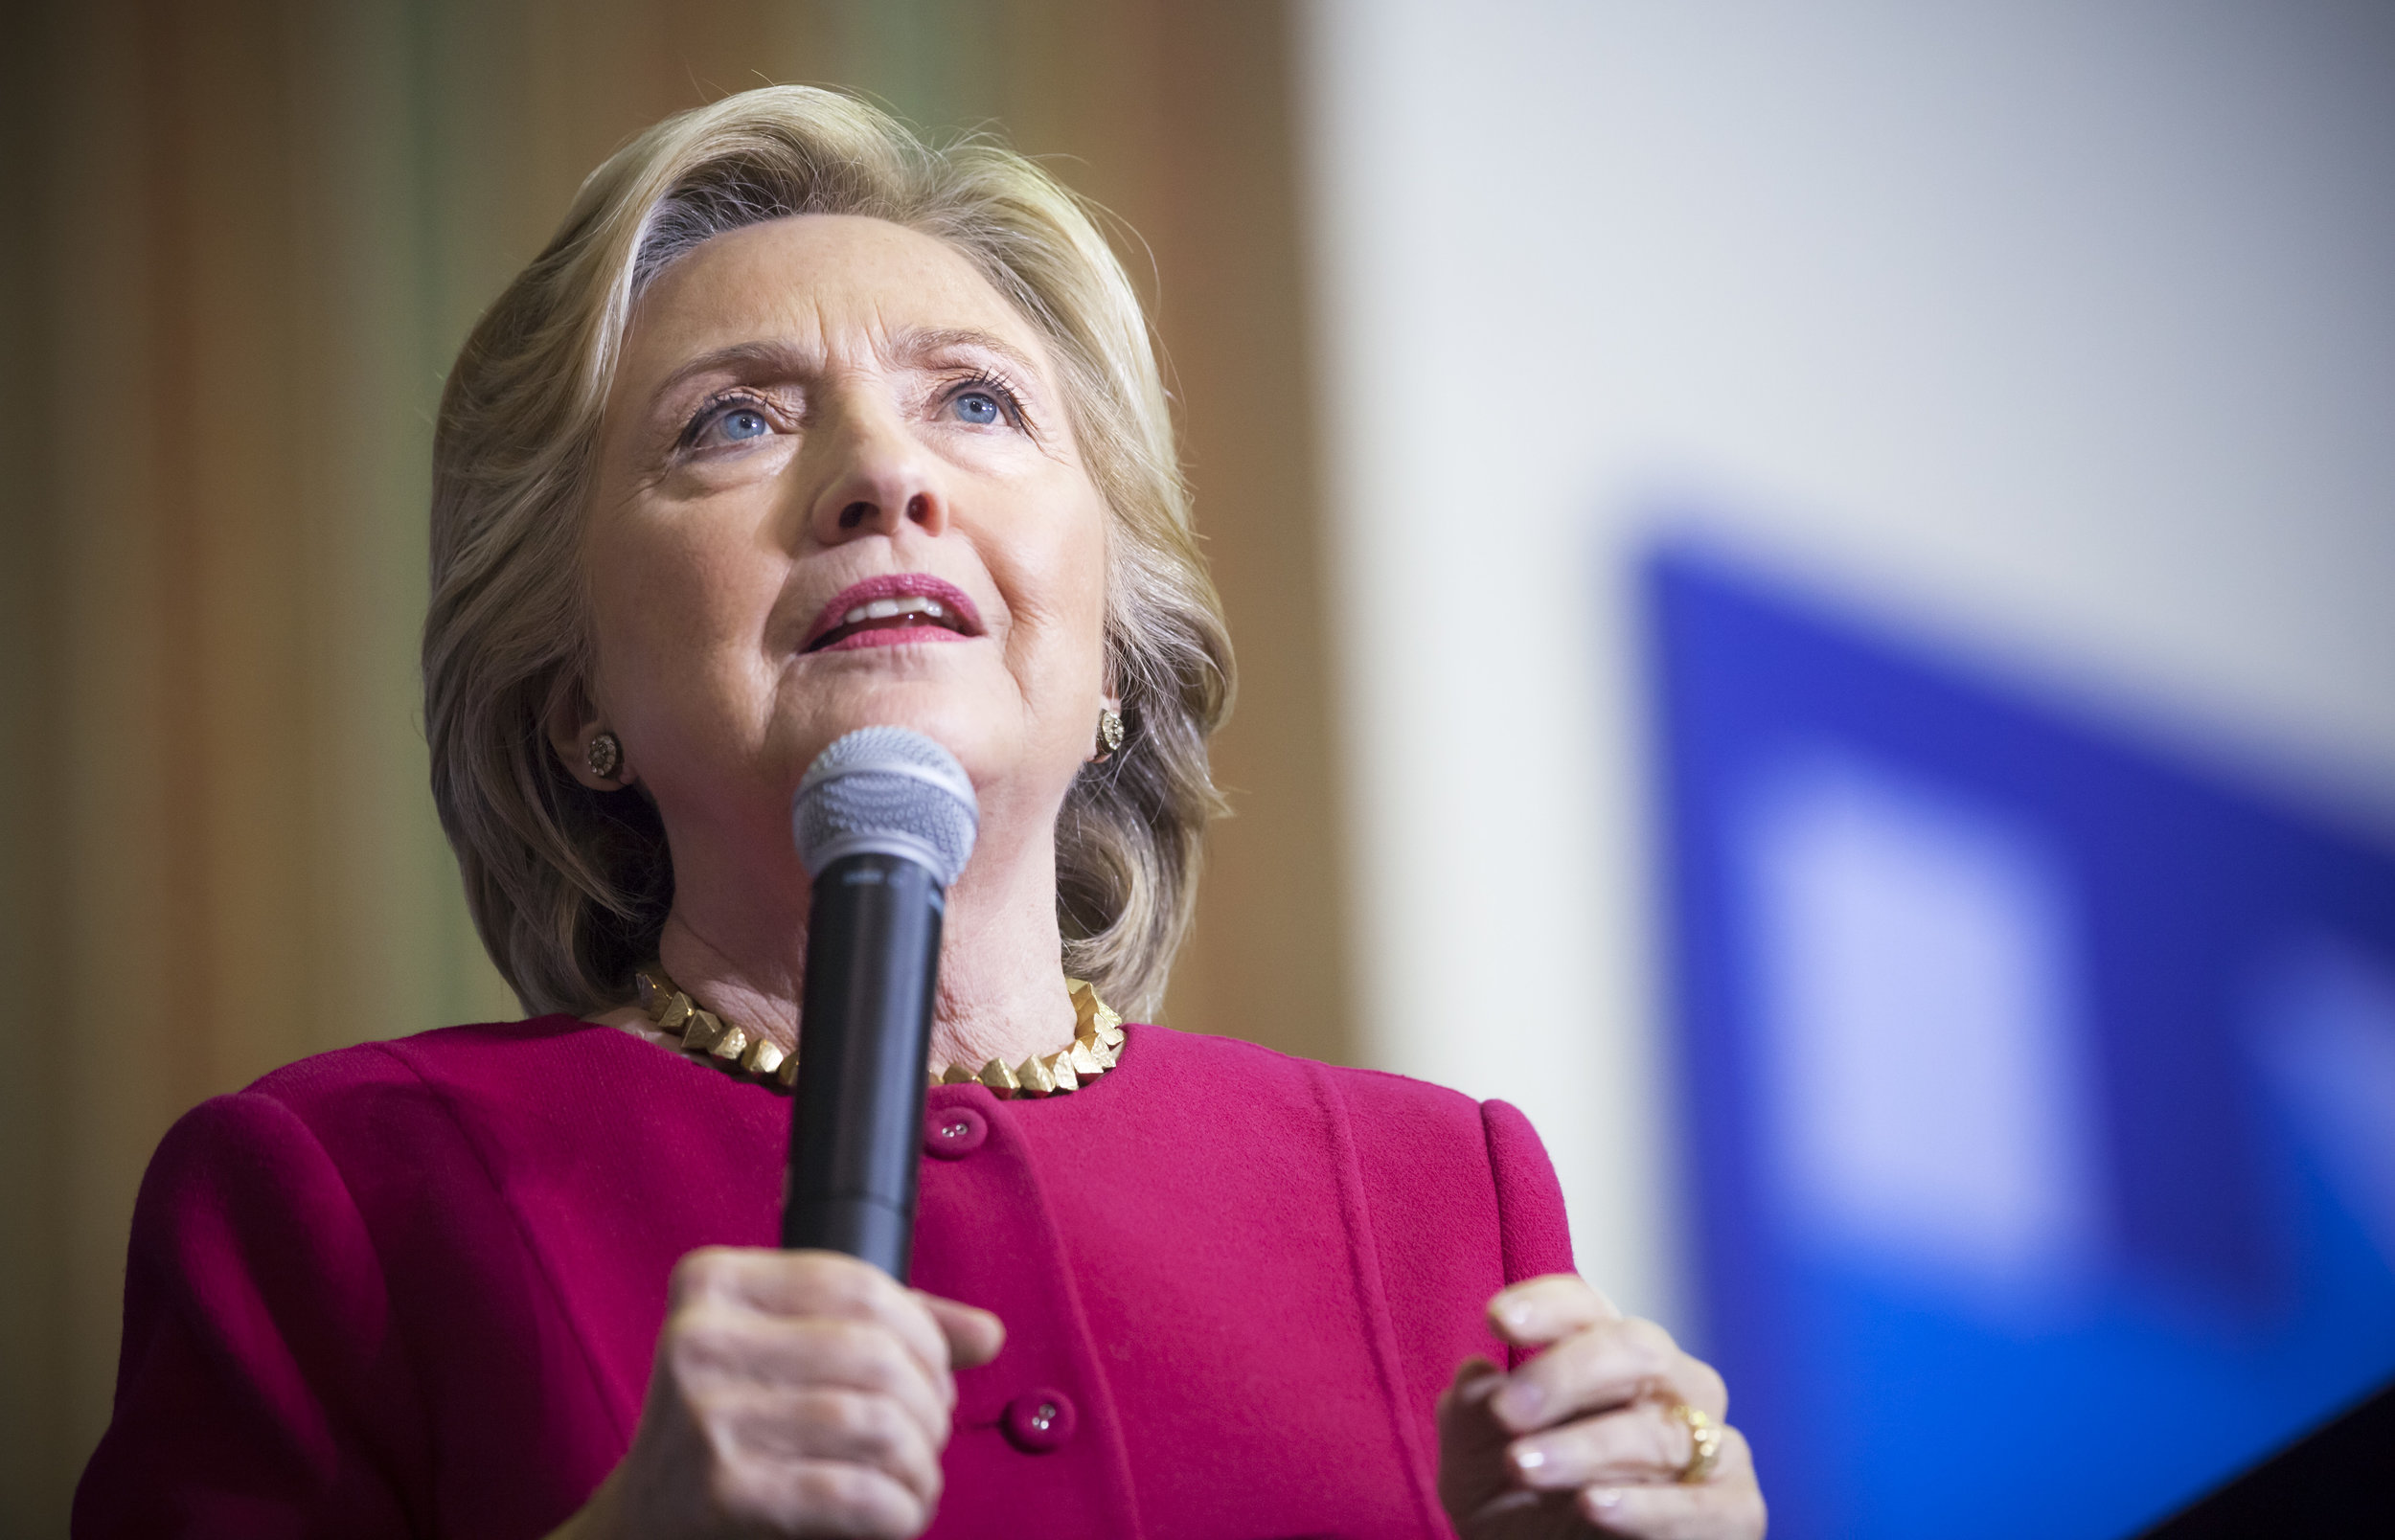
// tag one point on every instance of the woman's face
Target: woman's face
(836, 488)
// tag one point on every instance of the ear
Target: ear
(572, 722)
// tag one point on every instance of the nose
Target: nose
(878, 477)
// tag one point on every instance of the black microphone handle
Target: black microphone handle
(864, 1041)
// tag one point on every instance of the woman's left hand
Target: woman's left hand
(1589, 1437)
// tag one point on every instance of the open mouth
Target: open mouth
(895, 610)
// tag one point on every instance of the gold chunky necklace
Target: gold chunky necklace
(1097, 1044)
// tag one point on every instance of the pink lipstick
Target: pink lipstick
(893, 610)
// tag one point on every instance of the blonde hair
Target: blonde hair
(569, 887)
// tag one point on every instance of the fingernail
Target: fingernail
(1515, 1313)
(1519, 1404)
(1602, 1500)
(1532, 1466)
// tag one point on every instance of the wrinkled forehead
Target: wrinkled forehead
(848, 289)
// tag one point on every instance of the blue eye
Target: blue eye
(979, 407)
(726, 424)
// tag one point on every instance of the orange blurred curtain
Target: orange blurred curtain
(244, 239)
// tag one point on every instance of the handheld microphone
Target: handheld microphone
(885, 820)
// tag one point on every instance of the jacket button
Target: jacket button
(952, 1133)
(1040, 1420)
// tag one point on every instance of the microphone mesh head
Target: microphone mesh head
(886, 789)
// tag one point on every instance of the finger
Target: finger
(1463, 1408)
(1737, 1464)
(973, 1334)
(1713, 1510)
(1547, 1309)
(1475, 1379)
(811, 1283)
(1603, 1367)
(1472, 1443)
(821, 1497)
(804, 1283)
(1642, 1443)
(715, 1346)
(841, 1426)
(1639, 1442)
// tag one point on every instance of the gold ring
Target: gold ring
(1704, 1442)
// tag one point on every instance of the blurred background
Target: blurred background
(1812, 588)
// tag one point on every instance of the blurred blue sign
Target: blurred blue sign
(2040, 1084)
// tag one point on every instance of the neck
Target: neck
(1001, 992)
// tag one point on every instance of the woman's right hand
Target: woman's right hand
(794, 1393)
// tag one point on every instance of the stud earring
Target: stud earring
(604, 756)
(1109, 730)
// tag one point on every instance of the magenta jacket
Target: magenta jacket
(414, 1288)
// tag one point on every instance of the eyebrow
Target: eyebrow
(933, 340)
(740, 358)
(780, 358)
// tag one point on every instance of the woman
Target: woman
(800, 426)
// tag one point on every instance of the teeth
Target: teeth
(882, 609)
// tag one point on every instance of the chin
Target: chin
(984, 740)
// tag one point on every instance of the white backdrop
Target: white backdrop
(2063, 330)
